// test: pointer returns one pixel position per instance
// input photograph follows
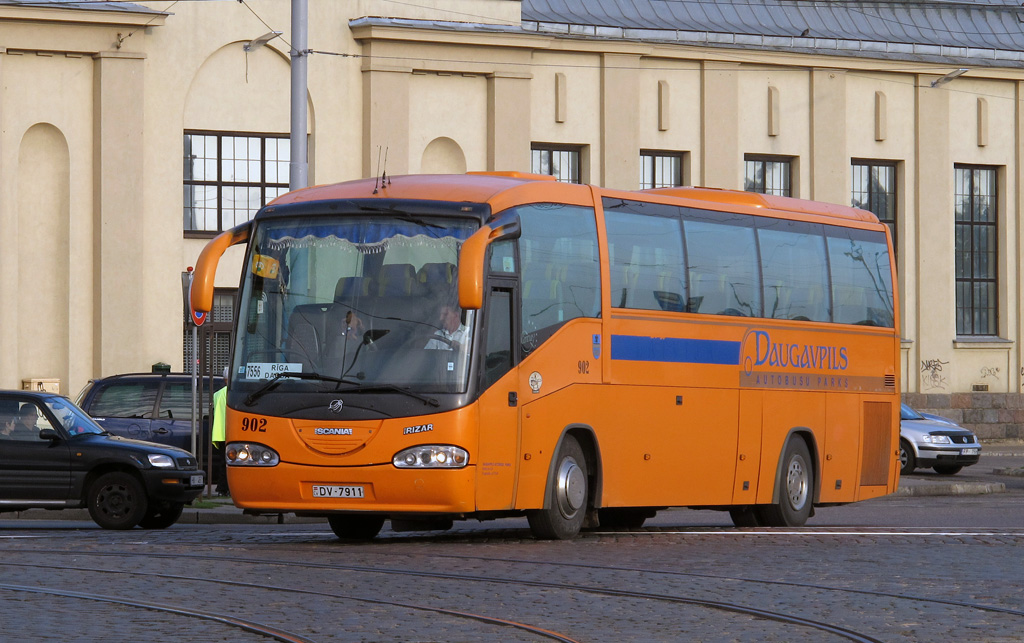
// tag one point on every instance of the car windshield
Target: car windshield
(907, 413)
(355, 302)
(73, 419)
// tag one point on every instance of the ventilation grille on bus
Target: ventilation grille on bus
(878, 444)
(890, 382)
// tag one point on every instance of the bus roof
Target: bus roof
(770, 201)
(488, 187)
(473, 187)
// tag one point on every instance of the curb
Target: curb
(952, 489)
(227, 516)
(238, 517)
(1016, 472)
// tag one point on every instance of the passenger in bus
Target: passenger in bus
(452, 331)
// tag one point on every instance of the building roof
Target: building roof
(95, 5)
(982, 33)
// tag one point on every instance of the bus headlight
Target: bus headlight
(431, 456)
(244, 454)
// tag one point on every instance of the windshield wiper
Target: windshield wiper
(356, 386)
(298, 375)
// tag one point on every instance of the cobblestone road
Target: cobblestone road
(660, 584)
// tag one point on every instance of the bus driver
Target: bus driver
(452, 332)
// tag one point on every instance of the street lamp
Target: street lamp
(950, 76)
(256, 43)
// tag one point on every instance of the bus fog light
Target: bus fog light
(244, 454)
(431, 456)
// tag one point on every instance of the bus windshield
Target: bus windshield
(340, 302)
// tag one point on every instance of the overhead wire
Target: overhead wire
(754, 64)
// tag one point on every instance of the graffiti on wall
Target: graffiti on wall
(931, 374)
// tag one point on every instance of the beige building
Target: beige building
(131, 133)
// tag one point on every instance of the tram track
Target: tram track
(259, 629)
(458, 579)
(758, 613)
(255, 628)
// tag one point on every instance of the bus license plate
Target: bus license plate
(337, 491)
(196, 481)
(968, 452)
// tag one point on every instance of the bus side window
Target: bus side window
(646, 261)
(502, 257)
(722, 264)
(794, 270)
(561, 272)
(861, 279)
(498, 355)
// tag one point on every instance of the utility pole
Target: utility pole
(298, 168)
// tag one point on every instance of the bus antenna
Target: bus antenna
(384, 180)
(376, 178)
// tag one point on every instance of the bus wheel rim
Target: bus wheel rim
(572, 488)
(796, 483)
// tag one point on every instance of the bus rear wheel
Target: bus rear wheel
(566, 505)
(355, 527)
(795, 495)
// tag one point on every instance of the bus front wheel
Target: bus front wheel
(355, 527)
(566, 505)
(797, 486)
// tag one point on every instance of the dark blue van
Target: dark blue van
(156, 407)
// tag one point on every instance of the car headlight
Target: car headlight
(245, 454)
(937, 439)
(160, 460)
(431, 456)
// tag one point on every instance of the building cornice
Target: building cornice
(51, 15)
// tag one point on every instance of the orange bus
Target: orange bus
(438, 348)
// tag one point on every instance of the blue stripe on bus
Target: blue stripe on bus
(633, 348)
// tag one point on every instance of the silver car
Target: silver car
(935, 442)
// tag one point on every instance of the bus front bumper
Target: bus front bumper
(377, 489)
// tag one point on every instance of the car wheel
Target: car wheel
(355, 526)
(117, 501)
(161, 515)
(947, 469)
(567, 498)
(907, 461)
(797, 480)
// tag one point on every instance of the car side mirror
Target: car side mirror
(49, 434)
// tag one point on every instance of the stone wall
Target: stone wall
(992, 416)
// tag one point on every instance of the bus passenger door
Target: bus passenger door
(497, 459)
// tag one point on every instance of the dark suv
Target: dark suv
(54, 456)
(156, 407)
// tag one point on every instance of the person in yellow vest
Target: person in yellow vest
(220, 406)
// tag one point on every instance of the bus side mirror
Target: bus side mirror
(473, 254)
(201, 293)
